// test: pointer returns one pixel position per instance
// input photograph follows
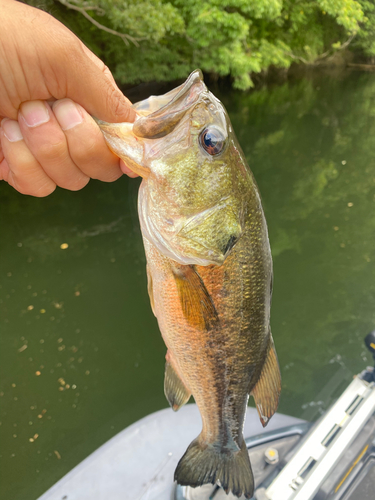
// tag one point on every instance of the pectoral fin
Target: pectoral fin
(175, 390)
(150, 289)
(267, 390)
(197, 304)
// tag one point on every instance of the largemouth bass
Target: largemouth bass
(209, 273)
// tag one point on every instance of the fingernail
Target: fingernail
(34, 113)
(11, 130)
(67, 114)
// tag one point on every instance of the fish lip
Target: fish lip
(195, 78)
(165, 119)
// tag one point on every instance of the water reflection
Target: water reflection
(81, 355)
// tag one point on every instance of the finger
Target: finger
(126, 170)
(4, 168)
(86, 143)
(18, 166)
(55, 64)
(48, 144)
(99, 63)
(91, 84)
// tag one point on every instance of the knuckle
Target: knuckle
(76, 184)
(111, 176)
(106, 70)
(94, 159)
(40, 191)
(88, 152)
(115, 104)
(119, 108)
(52, 151)
(45, 190)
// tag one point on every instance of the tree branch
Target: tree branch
(324, 55)
(83, 11)
(343, 46)
(87, 6)
(298, 58)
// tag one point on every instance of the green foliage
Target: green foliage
(366, 35)
(348, 13)
(150, 20)
(223, 37)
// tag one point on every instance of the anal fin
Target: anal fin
(266, 392)
(197, 304)
(175, 390)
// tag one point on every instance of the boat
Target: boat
(292, 459)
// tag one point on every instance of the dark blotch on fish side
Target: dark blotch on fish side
(230, 244)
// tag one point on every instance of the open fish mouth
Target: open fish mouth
(160, 115)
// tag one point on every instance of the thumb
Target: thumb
(92, 85)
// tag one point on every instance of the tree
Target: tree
(165, 40)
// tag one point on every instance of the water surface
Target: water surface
(81, 354)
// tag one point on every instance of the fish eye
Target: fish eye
(212, 140)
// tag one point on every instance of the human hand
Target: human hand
(44, 144)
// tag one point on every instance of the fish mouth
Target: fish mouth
(159, 116)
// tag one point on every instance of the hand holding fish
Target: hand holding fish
(50, 85)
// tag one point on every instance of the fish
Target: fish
(209, 271)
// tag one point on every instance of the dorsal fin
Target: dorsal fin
(175, 390)
(267, 390)
(197, 304)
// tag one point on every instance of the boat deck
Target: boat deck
(138, 463)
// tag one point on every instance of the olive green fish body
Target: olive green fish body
(220, 365)
(209, 273)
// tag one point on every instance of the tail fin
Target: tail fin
(208, 464)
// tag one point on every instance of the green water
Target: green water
(81, 355)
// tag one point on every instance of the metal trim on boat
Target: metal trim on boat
(301, 477)
(280, 439)
(291, 430)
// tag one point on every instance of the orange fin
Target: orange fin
(197, 304)
(175, 390)
(150, 289)
(267, 390)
